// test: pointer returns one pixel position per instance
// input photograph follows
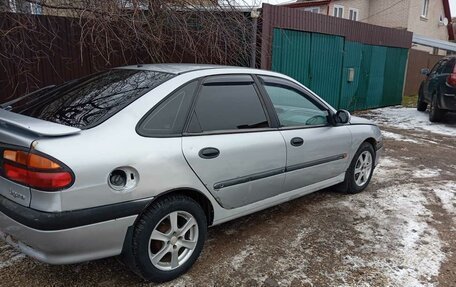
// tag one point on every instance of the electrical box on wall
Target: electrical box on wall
(351, 75)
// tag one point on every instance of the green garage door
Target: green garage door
(348, 75)
(313, 59)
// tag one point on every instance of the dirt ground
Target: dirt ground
(400, 232)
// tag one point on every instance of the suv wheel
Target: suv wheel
(421, 105)
(360, 172)
(168, 238)
(435, 114)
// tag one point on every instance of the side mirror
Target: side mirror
(425, 72)
(342, 117)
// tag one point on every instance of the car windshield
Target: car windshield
(89, 101)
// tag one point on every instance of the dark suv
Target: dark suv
(439, 89)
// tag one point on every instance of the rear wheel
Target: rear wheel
(360, 172)
(435, 114)
(168, 238)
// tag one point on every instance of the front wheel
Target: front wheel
(168, 238)
(360, 172)
(435, 114)
(421, 105)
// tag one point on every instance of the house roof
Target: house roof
(446, 9)
(307, 4)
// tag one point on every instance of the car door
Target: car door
(231, 143)
(316, 150)
(431, 82)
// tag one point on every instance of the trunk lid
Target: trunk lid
(19, 131)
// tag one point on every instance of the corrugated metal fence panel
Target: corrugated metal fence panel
(291, 50)
(352, 60)
(325, 66)
(417, 61)
(322, 63)
(394, 76)
(289, 18)
(359, 102)
(376, 77)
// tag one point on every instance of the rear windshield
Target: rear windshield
(89, 101)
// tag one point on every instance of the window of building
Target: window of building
(425, 8)
(354, 14)
(36, 9)
(313, 9)
(12, 5)
(338, 11)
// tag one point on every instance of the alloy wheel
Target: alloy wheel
(173, 240)
(363, 168)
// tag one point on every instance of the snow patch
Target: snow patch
(398, 137)
(410, 119)
(390, 168)
(9, 256)
(394, 225)
(447, 195)
(239, 259)
(426, 173)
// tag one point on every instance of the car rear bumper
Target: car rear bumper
(448, 101)
(67, 246)
(62, 238)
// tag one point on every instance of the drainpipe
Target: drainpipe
(254, 14)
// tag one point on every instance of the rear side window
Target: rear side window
(228, 106)
(168, 118)
(89, 101)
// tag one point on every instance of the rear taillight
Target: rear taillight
(451, 80)
(35, 170)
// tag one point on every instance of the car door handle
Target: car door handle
(209, 152)
(297, 141)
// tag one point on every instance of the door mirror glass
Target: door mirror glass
(342, 117)
(425, 71)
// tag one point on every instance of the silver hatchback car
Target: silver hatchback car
(138, 161)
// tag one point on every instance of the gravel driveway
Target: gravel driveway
(400, 232)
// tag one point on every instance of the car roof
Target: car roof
(176, 69)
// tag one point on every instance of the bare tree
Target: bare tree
(118, 32)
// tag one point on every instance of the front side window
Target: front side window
(227, 107)
(339, 11)
(294, 108)
(436, 67)
(87, 102)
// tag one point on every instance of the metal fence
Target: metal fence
(417, 61)
(351, 65)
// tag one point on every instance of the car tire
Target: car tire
(362, 164)
(421, 105)
(435, 114)
(160, 252)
